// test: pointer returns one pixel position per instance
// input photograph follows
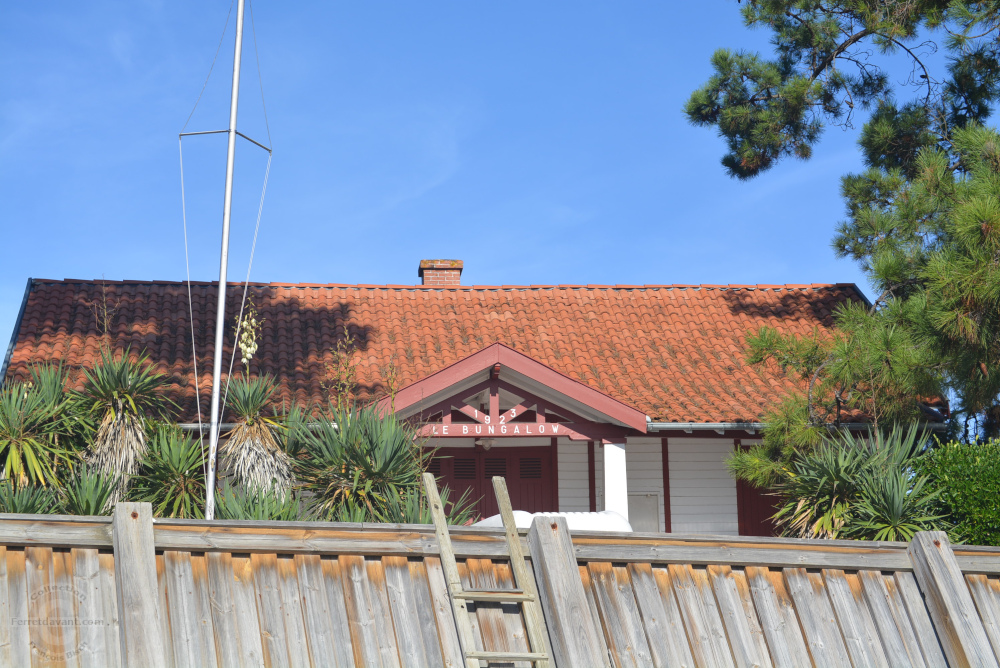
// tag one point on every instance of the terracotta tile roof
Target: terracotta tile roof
(675, 352)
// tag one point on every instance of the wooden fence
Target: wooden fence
(133, 591)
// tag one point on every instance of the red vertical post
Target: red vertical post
(554, 479)
(592, 476)
(495, 403)
(664, 449)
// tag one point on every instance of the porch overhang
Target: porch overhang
(585, 413)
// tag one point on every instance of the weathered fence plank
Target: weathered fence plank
(986, 594)
(135, 574)
(819, 624)
(451, 649)
(403, 605)
(382, 615)
(17, 590)
(182, 608)
(5, 620)
(337, 605)
(891, 620)
(220, 589)
(704, 626)
(109, 604)
(856, 623)
(619, 615)
(360, 613)
(245, 609)
(661, 619)
(203, 605)
(746, 640)
(272, 622)
(574, 634)
(38, 566)
(426, 620)
(316, 611)
(959, 627)
(920, 619)
(291, 607)
(92, 652)
(777, 618)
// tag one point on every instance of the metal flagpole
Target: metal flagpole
(220, 313)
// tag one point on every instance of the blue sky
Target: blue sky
(540, 142)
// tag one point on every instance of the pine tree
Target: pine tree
(923, 221)
(829, 63)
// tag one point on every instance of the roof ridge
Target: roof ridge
(392, 286)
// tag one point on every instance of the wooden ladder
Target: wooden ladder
(524, 593)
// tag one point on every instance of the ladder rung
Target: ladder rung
(509, 596)
(507, 656)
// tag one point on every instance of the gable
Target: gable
(499, 392)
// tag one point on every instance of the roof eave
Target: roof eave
(15, 333)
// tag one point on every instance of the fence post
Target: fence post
(958, 624)
(135, 581)
(574, 633)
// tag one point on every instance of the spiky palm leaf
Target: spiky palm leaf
(88, 492)
(259, 504)
(172, 474)
(356, 457)
(121, 393)
(29, 423)
(858, 486)
(411, 508)
(71, 425)
(29, 499)
(253, 454)
(894, 505)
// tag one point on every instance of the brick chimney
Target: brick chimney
(440, 272)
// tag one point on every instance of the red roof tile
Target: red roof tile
(674, 352)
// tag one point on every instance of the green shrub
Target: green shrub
(968, 478)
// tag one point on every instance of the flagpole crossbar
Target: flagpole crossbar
(218, 132)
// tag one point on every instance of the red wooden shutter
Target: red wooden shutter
(529, 472)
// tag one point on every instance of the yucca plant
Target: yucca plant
(29, 424)
(408, 507)
(27, 499)
(859, 486)
(358, 458)
(88, 492)
(411, 507)
(172, 474)
(894, 505)
(253, 454)
(293, 419)
(234, 503)
(120, 394)
(819, 490)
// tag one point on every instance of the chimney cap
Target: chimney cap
(455, 265)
